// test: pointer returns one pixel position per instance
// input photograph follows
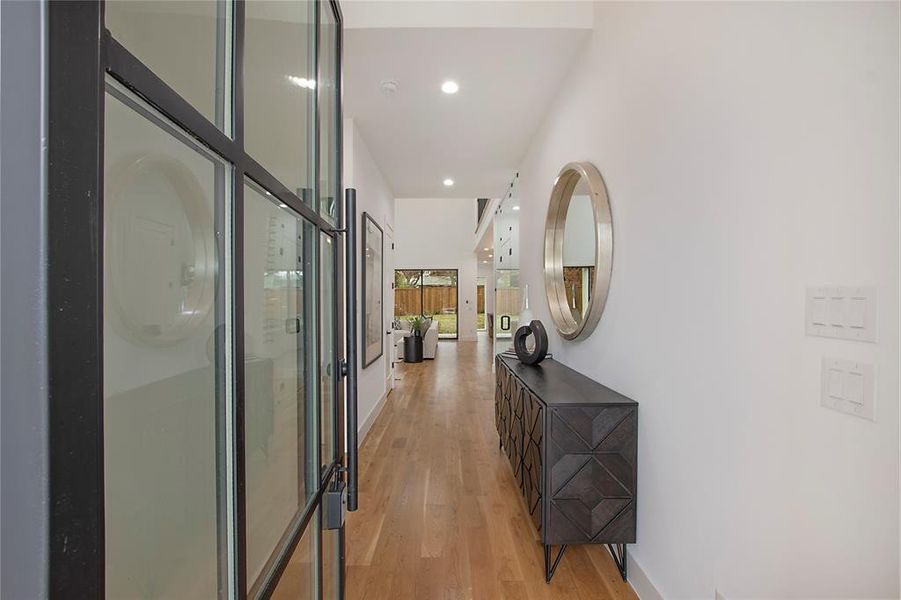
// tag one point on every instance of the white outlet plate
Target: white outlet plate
(848, 386)
(843, 312)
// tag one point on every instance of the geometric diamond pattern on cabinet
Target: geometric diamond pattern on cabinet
(585, 491)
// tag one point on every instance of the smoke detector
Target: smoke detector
(388, 87)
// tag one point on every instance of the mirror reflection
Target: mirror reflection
(579, 245)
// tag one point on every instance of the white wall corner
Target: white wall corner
(365, 427)
(641, 583)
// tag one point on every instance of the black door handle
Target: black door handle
(350, 271)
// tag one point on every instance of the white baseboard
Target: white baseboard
(640, 581)
(366, 425)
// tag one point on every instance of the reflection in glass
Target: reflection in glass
(327, 353)
(194, 59)
(162, 356)
(579, 251)
(507, 295)
(407, 293)
(298, 582)
(331, 563)
(279, 345)
(280, 90)
(328, 114)
(508, 301)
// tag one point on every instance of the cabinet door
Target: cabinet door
(592, 458)
(532, 466)
(517, 430)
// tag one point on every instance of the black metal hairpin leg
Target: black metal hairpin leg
(619, 557)
(548, 568)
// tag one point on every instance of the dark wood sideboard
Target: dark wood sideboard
(573, 447)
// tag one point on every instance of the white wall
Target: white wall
(375, 197)
(750, 150)
(436, 233)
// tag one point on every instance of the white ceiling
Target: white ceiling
(419, 136)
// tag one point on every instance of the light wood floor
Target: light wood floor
(440, 517)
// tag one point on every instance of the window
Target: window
(431, 293)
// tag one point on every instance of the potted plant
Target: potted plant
(416, 324)
(413, 343)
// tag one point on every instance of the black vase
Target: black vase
(413, 349)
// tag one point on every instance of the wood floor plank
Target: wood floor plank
(440, 515)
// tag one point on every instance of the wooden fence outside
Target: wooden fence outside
(435, 300)
(507, 301)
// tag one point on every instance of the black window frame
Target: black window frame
(422, 287)
(81, 53)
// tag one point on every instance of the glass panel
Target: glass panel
(279, 90)
(163, 357)
(480, 304)
(439, 300)
(331, 563)
(187, 44)
(508, 298)
(298, 582)
(407, 293)
(279, 348)
(327, 354)
(328, 114)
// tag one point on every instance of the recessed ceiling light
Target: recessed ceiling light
(490, 256)
(486, 249)
(485, 261)
(448, 182)
(450, 87)
(283, 205)
(516, 207)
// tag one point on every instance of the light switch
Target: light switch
(854, 388)
(841, 312)
(836, 311)
(834, 383)
(848, 386)
(818, 316)
(857, 312)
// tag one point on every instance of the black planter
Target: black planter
(413, 349)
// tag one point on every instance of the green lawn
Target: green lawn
(447, 324)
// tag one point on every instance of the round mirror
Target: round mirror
(578, 250)
(159, 237)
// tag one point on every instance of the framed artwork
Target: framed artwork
(373, 330)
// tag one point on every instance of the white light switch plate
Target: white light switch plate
(848, 386)
(847, 313)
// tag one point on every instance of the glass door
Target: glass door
(429, 293)
(196, 233)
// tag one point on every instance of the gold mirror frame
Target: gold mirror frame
(554, 230)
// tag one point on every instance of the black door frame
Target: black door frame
(81, 53)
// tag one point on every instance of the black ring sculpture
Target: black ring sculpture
(537, 355)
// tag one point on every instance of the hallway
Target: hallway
(440, 516)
